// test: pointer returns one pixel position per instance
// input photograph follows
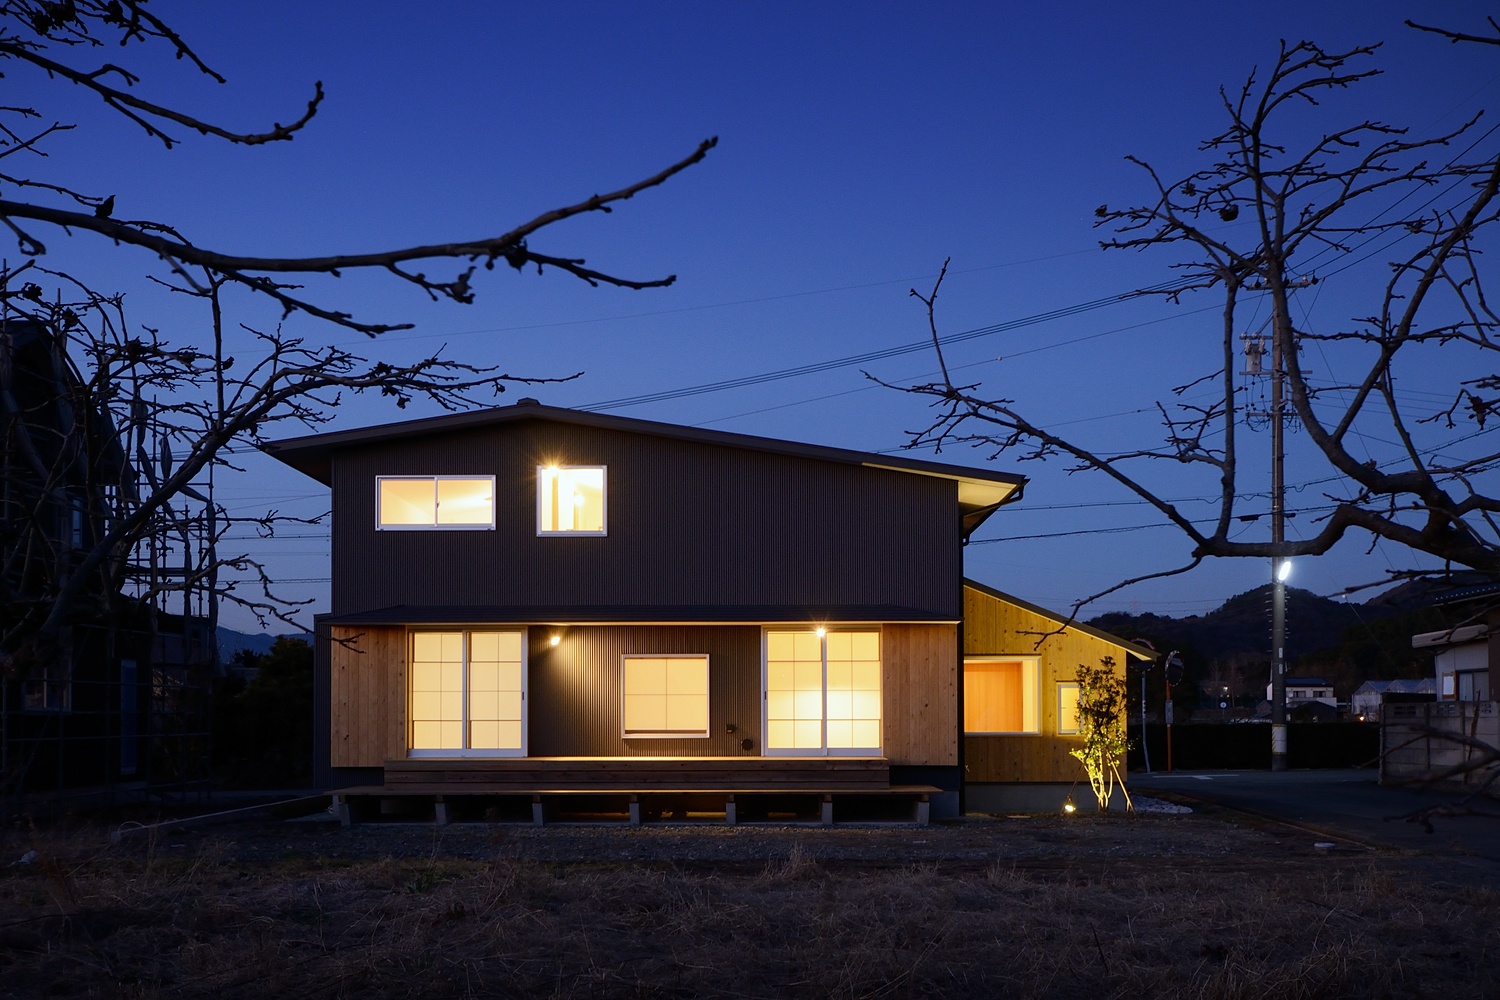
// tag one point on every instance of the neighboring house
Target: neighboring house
(1020, 700)
(534, 600)
(1461, 660)
(1445, 741)
(121, 698)
(1302, 690)
(1365, 702)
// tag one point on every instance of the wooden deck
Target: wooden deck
(638, 789)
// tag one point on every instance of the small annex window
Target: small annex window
(571, 500)
(434, 503)
(1001, 695)
(1068, 723)
(664, 697)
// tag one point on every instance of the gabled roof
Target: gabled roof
(1134, 649)
(980, 491)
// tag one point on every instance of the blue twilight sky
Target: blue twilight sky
(860, 145)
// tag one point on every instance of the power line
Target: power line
(880, 355)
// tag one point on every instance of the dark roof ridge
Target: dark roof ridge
(308, 453)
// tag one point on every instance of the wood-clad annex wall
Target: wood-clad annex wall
(993, 626)
(919, 667)
(367, 695)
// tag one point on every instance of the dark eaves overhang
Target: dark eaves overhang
(980, 491)
(1133, 648)
(636, 615)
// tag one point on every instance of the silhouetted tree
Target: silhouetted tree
(107, 425)
(1333, 195)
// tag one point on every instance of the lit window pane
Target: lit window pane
(484, 646)
(840, 733)
(865, 705)
(665, 695)
(866, 645)
(466, 501)
(1067, 708)
(807, 646)
(1000, 696)
(571, 499)
(405, 502)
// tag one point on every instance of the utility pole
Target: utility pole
(1278, 536)
(1280, 564)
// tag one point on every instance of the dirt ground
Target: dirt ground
(1086, 906)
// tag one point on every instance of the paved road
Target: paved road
(1343, 804)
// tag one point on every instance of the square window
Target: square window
(664, 696)
(1001, 695)
(570, 500)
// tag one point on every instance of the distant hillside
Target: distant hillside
(231, 642)
(1345, 642)
(1242, 624)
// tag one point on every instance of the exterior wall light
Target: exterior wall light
(556, 639)
(822, 631)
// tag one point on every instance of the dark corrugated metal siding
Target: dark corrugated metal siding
(574, 693)
(689, 524)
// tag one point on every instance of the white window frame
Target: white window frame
(434, 480)
(603, 500)
(1062, 719)
(765, 708)
(1029, 661)
(626, 733)
(413, 752)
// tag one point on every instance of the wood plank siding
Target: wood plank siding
(367, 697)
(920, 693)
(994, 626)
(690, 524)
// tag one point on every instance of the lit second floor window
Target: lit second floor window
(414, 503)
(570, 500)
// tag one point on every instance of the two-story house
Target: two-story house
(539, 600)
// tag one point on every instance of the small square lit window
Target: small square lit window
(570, 500)
(665, 696)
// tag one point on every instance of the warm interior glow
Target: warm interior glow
(1067, 707)
(466, 691)
(435, 501)
(1000, 695)
(823, 690)
(665, 696)
(570, 499)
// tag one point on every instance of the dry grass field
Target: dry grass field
(1161, 907)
